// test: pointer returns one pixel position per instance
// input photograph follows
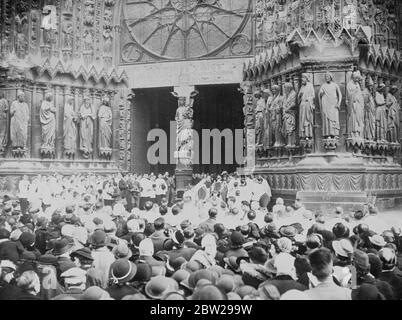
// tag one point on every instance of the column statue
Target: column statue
(259, 119)
(87, 118)
(184, 121)
(276, 116)
(355, 107)
(70, 127)
(4, 125)
(369, 110)
(48, 122)
(289, 115)
(381, 121)
(267, 119)
(330, 98)
(393, 115)
(307, 107)
(105, 128)
(19, 113)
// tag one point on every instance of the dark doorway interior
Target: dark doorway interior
(220, 107)
(154, 108)
(216, 107)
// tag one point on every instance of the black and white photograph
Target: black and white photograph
(211, 152)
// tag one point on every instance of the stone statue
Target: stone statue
(49, 23)
(350, 15)
(369, 110)
(307, 107)
(184, 120)
(276, 116)
(68, 31)
(289, 115)
(259, 119)
(4, 125)
(330, 98)
(381, 117)
(105, 128)
(88, 41)
(87, 118)
(393, 115)
(19, 113)
(267, 119)
(48, 122)
(355, 107)
(70, 128)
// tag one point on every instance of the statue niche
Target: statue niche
(87, 118)
(330, 98)
(105, 129)
(71, 119)
(4, 124)
(48, 123)
(307, 108)
(19, 113)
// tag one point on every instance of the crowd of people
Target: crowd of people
(129, 237)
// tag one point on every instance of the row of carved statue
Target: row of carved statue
(14, 122)
(372, 117)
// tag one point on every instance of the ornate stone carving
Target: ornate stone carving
(19, 113)
(48, 122)
(330, 98)
(184, 121)
(289, 115)
(381, 115)
(70, 127)
(87, 118)
(276, 109)
(355, 108)
(306, 112)
(68, 34)
(260, 111)
(105, 129)
(49, 27)
(369, 112)
(21, 30)
(89, 13)
(393, 115)
(4, 124)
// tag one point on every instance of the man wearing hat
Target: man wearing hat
(61, 250)
(122, 272)
(390, 271)
(74, 280)
(102, 256)
(361, 262)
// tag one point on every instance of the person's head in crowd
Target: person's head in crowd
(29, 282)
(284, 264)
(149, 229)
(219, 230)
(314, 241)
(146, 248)
(175, 210)
(388, 259)
(212, 213)
(82, 258)
(148, 206)
(340, 230)
(321, 264)
(343, 250)
(377, 242)
(159, 224)
(163, 210)
(74, 278)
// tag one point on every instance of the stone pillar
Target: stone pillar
(36, 126)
